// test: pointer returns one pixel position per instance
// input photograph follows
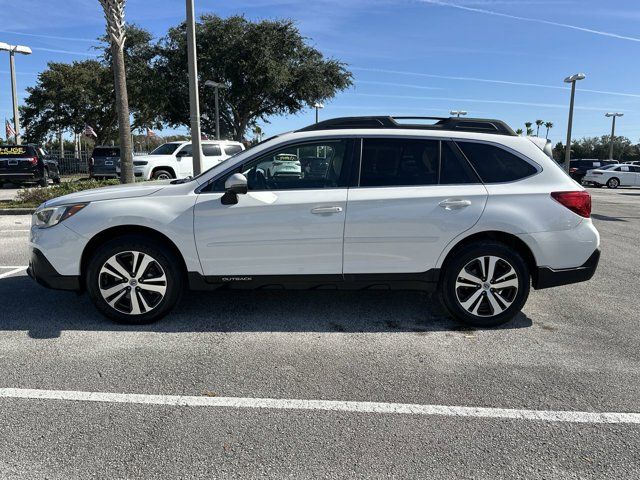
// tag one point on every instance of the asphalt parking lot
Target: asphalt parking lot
(180, 398)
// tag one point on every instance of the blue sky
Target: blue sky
(494, 58)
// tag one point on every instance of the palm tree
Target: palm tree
(539, 123)
(548, 125)
(529, 131)
(519, 131)
(114, 14)
(528, 127)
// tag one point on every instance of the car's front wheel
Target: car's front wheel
(485, 284)
(161, 175)
(133, 280)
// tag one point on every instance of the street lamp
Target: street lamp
(216, 86)
(317, 106)
(194, 100)
(613, 116)
(457, 113)
(572, 80)
(13, 49)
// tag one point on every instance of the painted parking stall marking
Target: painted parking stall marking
(12, 270)
(325, 405)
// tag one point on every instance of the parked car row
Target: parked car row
(614, 176)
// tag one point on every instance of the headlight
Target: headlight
(50, 216)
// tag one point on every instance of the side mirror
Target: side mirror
(235, 185)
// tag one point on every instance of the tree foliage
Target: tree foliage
(267, 67)
(598, 148)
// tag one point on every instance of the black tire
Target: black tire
(44, 181)
(162, 175)
(165, 259)
(57, 180)
(613, 182)
(465, 257)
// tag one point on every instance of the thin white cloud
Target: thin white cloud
(66, 52)
(533, 20)
(490, 80)
(401, 85)
(475, 100)
(51, 37)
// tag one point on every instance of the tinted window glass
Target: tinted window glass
(309, 165)
(391, 162)
(454, 169)
(166, 149)
(211, 150)
(633, 168)
(106, 152)
(494, 164)
(186, 150)
(232, 149)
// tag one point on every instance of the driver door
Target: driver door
(290, 222)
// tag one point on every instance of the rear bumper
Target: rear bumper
(546, 277)
(20, 176)
(46, 275)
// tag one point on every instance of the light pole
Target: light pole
(317, 106)
(13, 49)
(194, 100)
(216, 86)
(457, 113)
(613, 116)
(572, 80)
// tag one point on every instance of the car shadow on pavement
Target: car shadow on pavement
(46, 313)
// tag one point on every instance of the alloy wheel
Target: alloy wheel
(486, 286)
(132, 282)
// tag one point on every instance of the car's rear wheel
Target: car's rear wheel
(133, 280)
(613, 182)
(485, 284)
(161, 175)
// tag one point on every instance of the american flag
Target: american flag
(150, 133)
(88, 131)
(10, 132)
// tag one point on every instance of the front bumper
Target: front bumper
(546, 277)
(46, 275)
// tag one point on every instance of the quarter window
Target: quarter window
(495, 165)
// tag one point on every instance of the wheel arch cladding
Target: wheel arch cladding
(128, 230)
(502, 237)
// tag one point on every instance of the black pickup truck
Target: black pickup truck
(27, 164)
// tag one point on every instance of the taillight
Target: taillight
(33, 160)
(573, 170)
(578, 202)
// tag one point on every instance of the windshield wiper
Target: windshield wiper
(182, 180)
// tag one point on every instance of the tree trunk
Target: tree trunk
(122, 106)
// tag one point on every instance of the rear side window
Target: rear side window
(407, 162)
(232, 149)
(495, 165)
(211, 150)
(106, 152)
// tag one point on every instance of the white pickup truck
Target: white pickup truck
(174, 159)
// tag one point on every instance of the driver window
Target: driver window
(303, 166)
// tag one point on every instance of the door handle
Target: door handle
(454, 203)
(319, 210)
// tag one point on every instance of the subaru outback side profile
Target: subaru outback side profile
(464, 207)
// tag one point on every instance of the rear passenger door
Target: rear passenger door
(413, 197)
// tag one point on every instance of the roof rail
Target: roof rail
(480, 125)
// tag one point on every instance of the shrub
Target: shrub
(32, 197)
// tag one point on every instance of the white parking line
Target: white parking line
(11, 272)
(324, 405)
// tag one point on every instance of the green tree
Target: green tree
(539, 123)
(549, 126)
(519, 131)
(68, 96)
(268, 68)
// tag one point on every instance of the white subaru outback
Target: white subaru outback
(462, 206)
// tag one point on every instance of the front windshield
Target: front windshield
(166, 149)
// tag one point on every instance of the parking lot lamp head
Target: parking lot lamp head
(613, 116)
(572, 80)
(317, 106)
(13, 49)
(457, 113)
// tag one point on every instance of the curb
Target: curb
(17, 211)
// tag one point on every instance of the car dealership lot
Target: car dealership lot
(575, 348)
